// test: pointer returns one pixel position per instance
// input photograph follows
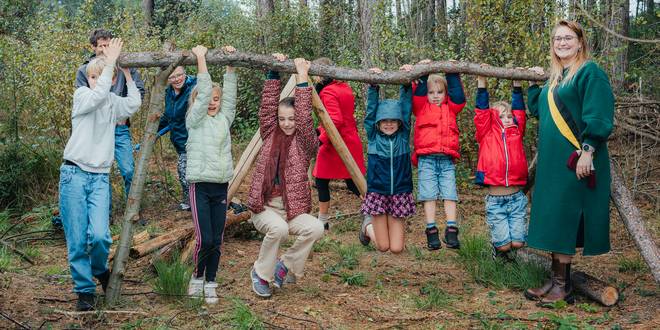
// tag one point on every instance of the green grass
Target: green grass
(349, 257)
(631, 265)
(4, 221)
(475, 256)
(242, 317)
(356, 279)
(172, 278)
(433, 297)
(5, 259)
(345, 224)
(325, 244)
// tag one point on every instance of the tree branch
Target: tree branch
(612, 32)
(260, 61)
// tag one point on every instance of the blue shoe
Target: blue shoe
(259, 286)
(280, 274)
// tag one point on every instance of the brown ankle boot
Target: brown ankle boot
(537, 293)
(562, 289)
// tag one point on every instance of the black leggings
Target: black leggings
(323, 187)
(209, 209)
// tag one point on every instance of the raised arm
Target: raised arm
(482, 112)
(533, 93)
(269, 101)
(135, 75)
(85, 101)
(518, 106)
(455, 92)
(229, 90)
(127, 106)
(405, 98)
(419, 88)
(198, 110)
(306, 135)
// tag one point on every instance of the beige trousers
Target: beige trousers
(272, 223)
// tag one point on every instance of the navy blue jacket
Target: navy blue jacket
(175, 114)
(389, 171)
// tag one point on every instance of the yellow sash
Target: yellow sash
(559, 120)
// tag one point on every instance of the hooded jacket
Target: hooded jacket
(502, 160)
(174, 116)
(436, 131)
(389, 171)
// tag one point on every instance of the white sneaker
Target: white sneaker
(196, 287)
(210, 296)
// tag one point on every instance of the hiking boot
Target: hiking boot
(210, 295)
(85, 302)
(432, 238)
(451, 238)
(104, 278)
(562, 288)
(260, 286)
(363, 237)
(280, 274)
(538, 293)
(196, 287)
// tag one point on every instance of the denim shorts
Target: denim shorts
(436, 178)
(506, 217)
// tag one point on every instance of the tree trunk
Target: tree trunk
(258, 61)
(264, 10)
(366, 37)
(615, 49)
(156, 107)
(148, 9)
(441, 18)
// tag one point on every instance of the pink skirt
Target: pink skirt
(399, 205)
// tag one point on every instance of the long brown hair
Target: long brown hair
(582, 56)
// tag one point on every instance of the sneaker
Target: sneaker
(364, 238)
(504, 256)
(104, 279)
(259, 286)
(326, 226)
(432, 238)
(290, 279)
(210, 295)
(183, 207)
(280, 274)
(195, 287)
(451, 238)
(86, 302)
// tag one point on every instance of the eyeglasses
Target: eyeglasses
(176, 76)
(558, 39)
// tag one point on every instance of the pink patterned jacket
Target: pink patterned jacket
(303, 148)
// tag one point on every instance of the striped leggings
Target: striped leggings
(208, 202)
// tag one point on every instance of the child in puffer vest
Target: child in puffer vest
(436, 103)
(389, 196)
(502, 167)
(209, 169)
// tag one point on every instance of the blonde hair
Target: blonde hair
(437, 79)
(502, 106)
(195, 91)
(96, 65)
(556, 68)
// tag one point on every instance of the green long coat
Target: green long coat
(559, 199)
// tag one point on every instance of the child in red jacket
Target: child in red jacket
(436, 149)
(502, 167)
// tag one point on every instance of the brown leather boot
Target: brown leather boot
(562, 289)
(537, 293)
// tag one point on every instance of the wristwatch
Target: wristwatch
(588, 148)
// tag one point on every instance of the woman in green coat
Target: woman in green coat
(570, 203)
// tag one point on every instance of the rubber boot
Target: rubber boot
(537, 293)
(562, 289)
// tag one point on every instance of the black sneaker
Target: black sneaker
(451, 238)
(104, 279)
(432, 238)
(85, 302)
(363, 237)
(504, 256)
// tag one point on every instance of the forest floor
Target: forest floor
(346, 286)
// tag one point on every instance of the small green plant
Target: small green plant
(349, 257)
(5, 259)
(416, 252)
(356, 279)
(589, 308)
(631, 265)
(345, 225)
(433, 297)
(172, 277)
(32, 251)
(4, 221)
(55, 270)
(325, 244)
(242, 317)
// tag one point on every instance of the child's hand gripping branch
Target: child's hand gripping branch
(302, 68)
(113, 50)
(228, 50)
(200, 52)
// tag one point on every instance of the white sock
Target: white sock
(323, 217)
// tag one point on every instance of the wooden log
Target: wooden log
(165, 252)
(138, 238)
(595, 289)
(261, 61)
(155, 243)
(252, 150)
(338, 143)
(188, 249)
(634, 223)
(583, 283)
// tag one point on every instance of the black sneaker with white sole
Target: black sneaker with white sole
(451, 238)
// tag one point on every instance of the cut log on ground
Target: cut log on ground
(188, 249)
(635, 224)
(260, 61)
(583, 283)
(138, 239)
(160, 241)
(166, 252)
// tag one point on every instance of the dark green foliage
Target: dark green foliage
(26, 174)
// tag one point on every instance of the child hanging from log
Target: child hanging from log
(502, 167)
(280, 196)
(84, 190)
(389, 197)
(209, 169)
(436, 102)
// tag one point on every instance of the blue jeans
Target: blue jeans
(506, 217)
(124, 155)
(436, 178)
(84, 198)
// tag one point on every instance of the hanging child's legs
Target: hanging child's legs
(308, 230)
(323, 189)
(397, 230)
(381, 233)
(429, 192)
(209, 211)
(181, 171)
(449, 195)
(518, 219)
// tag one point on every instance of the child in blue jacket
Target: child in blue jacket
(389, 197)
